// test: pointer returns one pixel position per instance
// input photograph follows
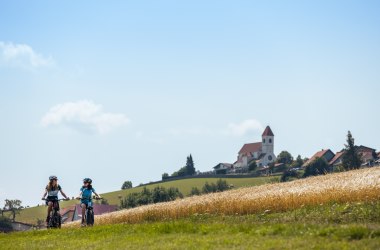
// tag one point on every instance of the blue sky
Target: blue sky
(125, 90)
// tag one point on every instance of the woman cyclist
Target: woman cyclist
(52, 189)
(85, 196)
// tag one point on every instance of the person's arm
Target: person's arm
(97, 196)
(64, 195)
(44, 195)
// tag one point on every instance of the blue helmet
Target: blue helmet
(88, 180)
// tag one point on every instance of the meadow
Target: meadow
(30, 215)
(352, 186)
(329, 226)
(335, 211)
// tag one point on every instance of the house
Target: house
(67, 213)
(74, 212)
(337, 161)
(223, 168)
(368, 155)
(261, 152)
(326, 154)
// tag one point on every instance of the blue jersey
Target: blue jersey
(87, 193)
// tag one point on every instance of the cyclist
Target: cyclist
(52, 189)
(85, 196)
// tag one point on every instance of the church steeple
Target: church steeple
(267, 132)
(268, 141)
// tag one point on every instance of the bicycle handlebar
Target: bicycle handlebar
(44, 199)
(96, 198)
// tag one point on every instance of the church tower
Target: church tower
(268, 141)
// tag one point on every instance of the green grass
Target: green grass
(328, 226)
(30, 215)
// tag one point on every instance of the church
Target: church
(261, 152)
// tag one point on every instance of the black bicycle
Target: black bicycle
(55, 219)
(89, 214)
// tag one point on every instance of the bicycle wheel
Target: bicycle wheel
(90, 217)
(59, 221)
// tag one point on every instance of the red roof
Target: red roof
(67, 209)
(337, 156)
(250, 147)
(267, 132)
(319, 154)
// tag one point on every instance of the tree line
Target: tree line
(161, 194)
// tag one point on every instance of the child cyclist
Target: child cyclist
(85, 196)
(52, 189)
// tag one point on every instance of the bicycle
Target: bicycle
(55, 219)
(89, 214)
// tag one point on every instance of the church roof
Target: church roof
(251, 147)
(267, 132)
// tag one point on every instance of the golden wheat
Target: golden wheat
(352, 186)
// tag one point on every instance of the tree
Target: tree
(351, 158)
(288, 175)
(318, 167)
(190, 169)
(126, 185)
(195, 191)
(298, 162)
(165, 176)
(252, 166)
(285, 157)
(181, 172)
(14, 206)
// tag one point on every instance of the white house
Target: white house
(261, 152)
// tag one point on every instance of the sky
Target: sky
(126, 90)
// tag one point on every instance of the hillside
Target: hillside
(30, 215)
(337, 211)
(352, 186)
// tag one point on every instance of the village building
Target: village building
(368, 156)
(223, 168)
(261, 152)
(337, 161)
(74, 212)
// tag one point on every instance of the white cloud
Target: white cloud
(22, 55)
(242, 128)
(83, 115)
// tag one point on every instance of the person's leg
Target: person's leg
(83, 211)
(50, 205)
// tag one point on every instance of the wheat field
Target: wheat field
(352, 186)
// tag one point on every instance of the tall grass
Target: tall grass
(358, 185)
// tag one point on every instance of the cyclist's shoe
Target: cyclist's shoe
(83, 224)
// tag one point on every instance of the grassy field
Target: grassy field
(353, 186)
(328, 226)
(30, 215)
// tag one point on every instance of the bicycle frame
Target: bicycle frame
(55, 219)
(89, 213)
